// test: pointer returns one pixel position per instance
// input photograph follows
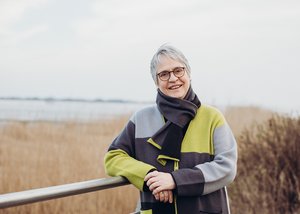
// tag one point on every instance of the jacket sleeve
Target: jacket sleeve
(210, 176)
(120, 158)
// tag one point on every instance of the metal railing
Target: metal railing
(47, 193)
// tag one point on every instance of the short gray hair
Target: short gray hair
(171, 52)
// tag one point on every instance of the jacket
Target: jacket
(207, 161)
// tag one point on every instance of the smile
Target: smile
(174, 87)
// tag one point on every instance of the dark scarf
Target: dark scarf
(178, 113)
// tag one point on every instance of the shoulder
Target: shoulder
(147, 121)
(211, 114)
(208, 109)
(145, 113)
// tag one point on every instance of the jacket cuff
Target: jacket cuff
(189, 182)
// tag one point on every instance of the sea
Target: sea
(57, 110)
(75, 110)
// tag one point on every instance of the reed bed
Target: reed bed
(41, 154)
(38, 154)
(268, 178)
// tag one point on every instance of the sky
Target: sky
(240, 52)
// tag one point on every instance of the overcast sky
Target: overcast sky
(240, 52)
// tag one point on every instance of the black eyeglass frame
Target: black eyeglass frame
(169, 73)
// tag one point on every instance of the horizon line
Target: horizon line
(68, 99)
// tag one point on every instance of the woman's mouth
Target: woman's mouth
(174, 87)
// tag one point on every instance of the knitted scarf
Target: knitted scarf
(178, 113)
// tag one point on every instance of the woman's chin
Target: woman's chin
(176, 94)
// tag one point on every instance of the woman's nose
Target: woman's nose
(172, 77)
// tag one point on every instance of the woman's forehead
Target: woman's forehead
(168, 63)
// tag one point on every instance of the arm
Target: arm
(120, 161)
(210, 176)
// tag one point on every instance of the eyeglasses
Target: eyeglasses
(165, 75)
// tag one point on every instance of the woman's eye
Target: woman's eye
(163, 74)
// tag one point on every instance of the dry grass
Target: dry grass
(41, 154)
(268, 179)
(240, 118)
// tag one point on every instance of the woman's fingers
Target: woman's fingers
(153, 185)
(156, 196)
(150, 175)
(161, 185)
(157, 189)
(164, 196)
(158, 181)
(151, 181)
(161, 196)
(170, 196)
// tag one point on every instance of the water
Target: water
(28, 110)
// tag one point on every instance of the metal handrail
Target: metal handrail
(47, 193)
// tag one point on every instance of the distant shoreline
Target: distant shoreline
(51, 99)
(65, 109)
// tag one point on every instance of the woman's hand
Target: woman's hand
(164, 196)
(159, 181)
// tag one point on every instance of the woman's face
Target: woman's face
(175, 86)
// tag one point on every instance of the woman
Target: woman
(180, 154)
